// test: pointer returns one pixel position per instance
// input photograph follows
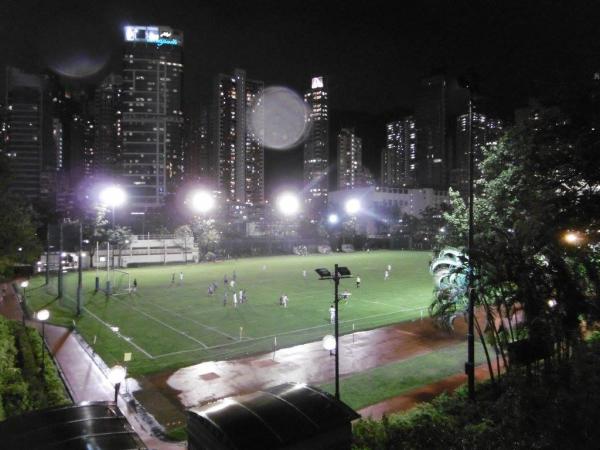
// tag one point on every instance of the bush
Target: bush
(557, 407)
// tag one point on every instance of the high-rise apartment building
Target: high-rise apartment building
(486, 132)
(152, 118)
(196, 144)
(108, 130)
(25, 134)
(349, 157)
(430, 116)
(239, 152)
(398, 159)
(316, 147)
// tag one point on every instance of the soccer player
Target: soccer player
(225, 298)
(225, 281)
(241, 296)
(180, 277)
(357, 281)
(285, 300)
(386, 275)
(235, 299)
(173, 278)
(135, 285)
(232, 284)
(331, 314)
(304, 274)
(389, 268)
(234, 276)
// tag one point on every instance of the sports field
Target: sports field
(167, 325)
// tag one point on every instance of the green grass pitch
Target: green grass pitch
(167, 326)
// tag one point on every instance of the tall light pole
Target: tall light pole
(79, 270)
(113, 197)
(42, 316)
(200, 202)
(470, 365)
(60, 257)
(338, 274)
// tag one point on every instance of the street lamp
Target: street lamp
(572, 238)
(338, 274)
(288, 204)
(43, 315)
(329, 343)
(116, 377)
(113, 196)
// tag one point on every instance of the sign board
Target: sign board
(126, 357)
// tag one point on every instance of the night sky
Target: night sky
(372, 55)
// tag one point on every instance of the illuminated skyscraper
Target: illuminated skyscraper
(108, 131)
(430, 117)
(152, 156)
(398, 160)
(24, 131)
(240, 155)
(316, 148)
(349, 150)
(486, 132)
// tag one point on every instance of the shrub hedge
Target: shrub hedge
(557, 407)
(22, 385)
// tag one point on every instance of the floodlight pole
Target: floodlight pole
(47, 253)
(336, 282)
(60, 265)
(79, 270)
(470, 365)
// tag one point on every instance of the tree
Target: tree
(184, 239)
(539, 182)
(207, 235)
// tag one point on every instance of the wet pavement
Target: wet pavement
(308, 363)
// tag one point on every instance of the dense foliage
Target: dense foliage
(540, 183)
(22, 385)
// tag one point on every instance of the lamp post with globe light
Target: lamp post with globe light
(116, 376)
(42, 316)
(24, 285)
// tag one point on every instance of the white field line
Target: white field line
(182, 333)
(213, 329)
(249, 339)
(126, 339)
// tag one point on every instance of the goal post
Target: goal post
(121, 280)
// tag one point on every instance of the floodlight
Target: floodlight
(323, 273)
(113, 196)
(333, 218)
(344, 271)
(202, 201)
(352, 206)
(288, 204)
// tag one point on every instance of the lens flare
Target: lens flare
(279, 118)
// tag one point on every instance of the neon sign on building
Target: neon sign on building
(153, 35)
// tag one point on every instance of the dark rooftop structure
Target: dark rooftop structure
(88, 425)
(288, 416)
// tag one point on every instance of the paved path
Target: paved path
(85, 375)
